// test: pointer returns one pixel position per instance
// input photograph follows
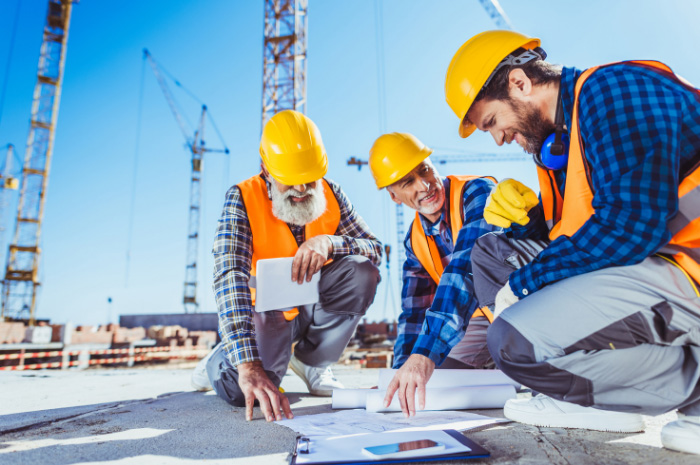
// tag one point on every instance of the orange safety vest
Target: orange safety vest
(272, 237)
(424, 246)
(566, 214)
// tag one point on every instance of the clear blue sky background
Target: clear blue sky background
(214, 47)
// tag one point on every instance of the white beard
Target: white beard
(298, 213)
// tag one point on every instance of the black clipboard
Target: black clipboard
(476, 452)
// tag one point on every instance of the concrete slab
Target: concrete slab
(153, 416)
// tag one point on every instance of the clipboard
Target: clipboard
(275, 289)
(305, 446)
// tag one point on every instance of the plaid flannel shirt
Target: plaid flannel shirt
(233, 253)
(641, 132)
(434, 317)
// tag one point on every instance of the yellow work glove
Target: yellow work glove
(509, 203)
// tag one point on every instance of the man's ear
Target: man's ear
(393, 196)
(266, 174)
(519, 85)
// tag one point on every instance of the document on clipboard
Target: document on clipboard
(388, 447)
(275, 290)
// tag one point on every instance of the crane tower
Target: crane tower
(21, 280)
(284, 57)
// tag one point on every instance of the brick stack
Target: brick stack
(11, 333)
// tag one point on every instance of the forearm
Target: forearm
(347, 245)
(599, 244)
(235, 317)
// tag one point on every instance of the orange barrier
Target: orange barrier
(149, 353)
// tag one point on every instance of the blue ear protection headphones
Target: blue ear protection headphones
(554, 154)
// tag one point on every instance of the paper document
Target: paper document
(455, 398)
(348, 448)
(453, 378)
(361, 421)
(275, 289)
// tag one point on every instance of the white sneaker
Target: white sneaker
(200, 379)
(319, 381)
(542, 410)
(683, 434)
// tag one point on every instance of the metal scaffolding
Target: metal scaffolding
(21, 281)
(284, 57)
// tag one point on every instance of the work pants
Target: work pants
(622, 338)
(471, 351)
(321, 331)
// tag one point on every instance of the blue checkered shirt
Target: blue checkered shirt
(641, 132)
(434, 317)
(233, 253)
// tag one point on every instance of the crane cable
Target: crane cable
(137, 144)
(9, 59)
(194, 97)
(382, 120)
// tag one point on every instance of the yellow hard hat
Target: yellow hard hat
(394, 155)
(474, 63)
(292, 150)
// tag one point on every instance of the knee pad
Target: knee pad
(507, 345)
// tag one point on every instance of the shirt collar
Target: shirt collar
(569, 76)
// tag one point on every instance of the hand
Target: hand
(255, 384)
(310, 257)
(504, 299)
(509, 203)
(411, 377)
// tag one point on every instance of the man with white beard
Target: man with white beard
(287, 210)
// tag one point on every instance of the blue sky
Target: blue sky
(214, 47)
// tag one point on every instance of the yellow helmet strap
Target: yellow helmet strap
(515, 60)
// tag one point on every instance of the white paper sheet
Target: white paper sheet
(453, 378)
(350, 398)
(361, 421)
(348, 448)
(275, 290)
(454, 398)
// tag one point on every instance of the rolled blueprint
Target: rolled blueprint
(350, 398)
(452, 378)
(454, 398)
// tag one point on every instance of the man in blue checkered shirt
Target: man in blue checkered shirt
(604, 321)
(438, 293)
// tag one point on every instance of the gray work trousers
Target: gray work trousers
(471, 351)
(622, 338)
(321, 331)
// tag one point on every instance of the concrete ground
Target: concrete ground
(153, 416)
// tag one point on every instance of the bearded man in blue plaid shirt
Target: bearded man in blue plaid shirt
(438, 293)
(604, 321)
(288, 210)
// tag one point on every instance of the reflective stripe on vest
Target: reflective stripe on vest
(565, 216)
(272, 237)
(424, 246)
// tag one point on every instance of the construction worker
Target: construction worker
(288, 210)
(438, 295)
(606, 318)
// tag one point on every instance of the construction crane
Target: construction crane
(284, 57)
(196, 145)
(8, 181)
(496, 13)
(21, 281)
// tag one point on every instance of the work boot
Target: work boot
(200, 379)
(683, 434)
(319, 381)
(542, 410)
